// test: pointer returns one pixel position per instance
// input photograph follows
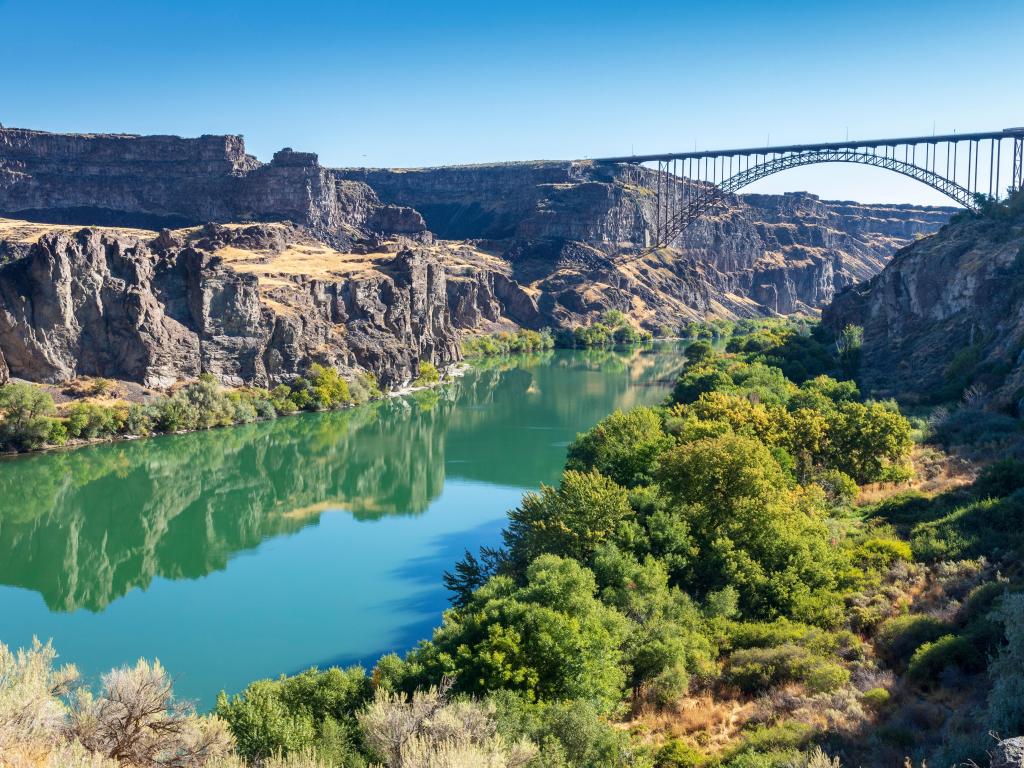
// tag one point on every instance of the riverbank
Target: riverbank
(31, 421)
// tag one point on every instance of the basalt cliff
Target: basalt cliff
(155, 258)
(945, 319)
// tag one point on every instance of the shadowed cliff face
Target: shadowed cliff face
(250, 306)
(945, 314)
(573, 232)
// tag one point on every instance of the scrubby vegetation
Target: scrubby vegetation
(741, 577)
(612, 329)
(30, 420)
(507, 343)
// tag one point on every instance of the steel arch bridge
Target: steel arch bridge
(967, 168)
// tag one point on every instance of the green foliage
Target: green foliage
(25, 413)
(427, 374)
(933, 658)
(750, 528)
(679, 754)
(699, 352)
(89, 421)
(754, 670)
(329, 390)
(548, 639)
(1006, 698)
(28, 421)
(573, 520)
(569, 733)
(989, 527)
(848, 345)
(613, 328)
(668, 640)
(623, 447)
(899, 637)
(876, 699)
(312, 710)
(506, 343)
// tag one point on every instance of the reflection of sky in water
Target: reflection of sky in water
(341, 591)
(241, 553)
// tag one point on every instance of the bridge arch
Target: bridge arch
(963, 167)
(956, 192)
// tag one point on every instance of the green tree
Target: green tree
(698, 352)
(667, 639)
(848, 345)
(314, 709)
(623, 447)
(25, 413)
(870, 442)
(548, 639)
(573, 520)
(750, 528)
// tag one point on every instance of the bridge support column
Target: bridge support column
(1017, 180)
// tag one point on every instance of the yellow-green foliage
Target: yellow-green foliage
(427, 374)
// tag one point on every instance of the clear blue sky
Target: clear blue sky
(426, 83)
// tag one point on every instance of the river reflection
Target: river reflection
(132, 532)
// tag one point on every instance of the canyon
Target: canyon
(156, 258)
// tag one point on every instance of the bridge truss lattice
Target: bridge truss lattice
(967, 168)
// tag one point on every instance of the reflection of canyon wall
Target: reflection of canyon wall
(85, 527)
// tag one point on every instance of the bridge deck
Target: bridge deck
(1004, 134)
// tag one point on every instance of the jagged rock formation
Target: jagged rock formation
(946, 314)
(572, 232)
(548, 243)
(251, 305)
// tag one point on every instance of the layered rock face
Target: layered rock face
(947, 314)
(167, 181)
(574, 232)
(254, 305)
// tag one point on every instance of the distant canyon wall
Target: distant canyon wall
(574, 231)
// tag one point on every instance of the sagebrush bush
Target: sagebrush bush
(754, 670)
(1006, 699)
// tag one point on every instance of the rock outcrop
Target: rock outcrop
(250, 305)
(946, 314)
(167, 181)
(575, 233)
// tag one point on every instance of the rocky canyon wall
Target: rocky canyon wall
(220, 301)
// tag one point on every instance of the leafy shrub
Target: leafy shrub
(90, 421)
(931, 659)
(313, 710)
(24, 416)
(549, 639)
(899, 637)
(623, 447)
(568, 733)
(990, 528)
(679, 754)
(754, 670)
(505, 343)
(427, 374)
(875, 698)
